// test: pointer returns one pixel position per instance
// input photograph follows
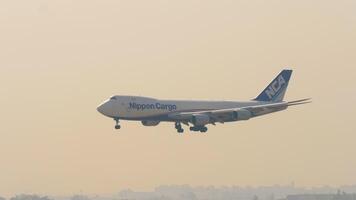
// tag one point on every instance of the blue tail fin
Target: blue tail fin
(276, 90)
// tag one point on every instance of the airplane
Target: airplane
(199, 114)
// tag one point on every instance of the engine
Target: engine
(150, 123)
(241, 114)
(200, 119)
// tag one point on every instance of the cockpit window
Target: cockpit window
(113, 98)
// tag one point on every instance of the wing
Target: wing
(236, 114)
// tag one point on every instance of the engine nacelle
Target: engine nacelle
(200, 119)
(150, 123)
(241, 114)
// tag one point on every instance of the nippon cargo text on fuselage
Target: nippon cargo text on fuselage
(158, 106)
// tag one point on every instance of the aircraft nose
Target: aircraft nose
(100, 108)
(105, 108)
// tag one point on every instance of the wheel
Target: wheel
(203, 130)
(117, 127)
(179, 128)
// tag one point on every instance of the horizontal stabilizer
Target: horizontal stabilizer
(299, 102)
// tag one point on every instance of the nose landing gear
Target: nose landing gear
(117, 126)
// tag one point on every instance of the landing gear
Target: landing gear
(117, 126)
(202, 129)
(179, 128)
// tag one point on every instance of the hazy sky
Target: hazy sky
(60, 59)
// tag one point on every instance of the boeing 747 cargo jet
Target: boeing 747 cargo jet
(198, 114)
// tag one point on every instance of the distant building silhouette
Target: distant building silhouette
(186, 192)
(79, 197)
(29, 197)
(338, 196)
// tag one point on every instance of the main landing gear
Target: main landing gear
(202, 129)
(117, 126)
(179, 128)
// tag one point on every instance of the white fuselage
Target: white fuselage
(141, 108)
